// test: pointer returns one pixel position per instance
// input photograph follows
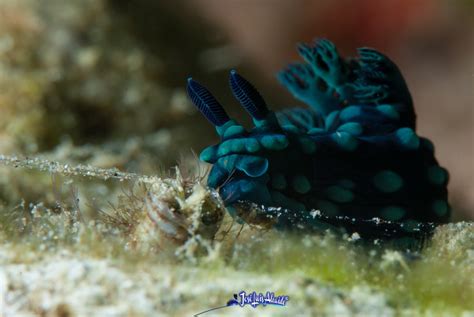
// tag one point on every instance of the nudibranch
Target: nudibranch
(351, 159)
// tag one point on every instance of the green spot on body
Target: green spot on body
(331, 118)
(278, 181)
(233, 131)
(291, 128)
(229, 146)
(392, 213)
(345, 141)
(388, 181)
(221, 130)
(316, 131)
(301, 184)
(437, 175)
(353, 128)
(349, 113)
(440, 207)
(408, 138)
(328, 208)
(339, 194)
(252, 145)
(274, 142)
(389, 111)
(207, 154)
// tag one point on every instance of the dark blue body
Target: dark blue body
(352, 157)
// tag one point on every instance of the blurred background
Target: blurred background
(102, 81)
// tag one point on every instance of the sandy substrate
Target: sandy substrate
(66, 284)
(72, 282)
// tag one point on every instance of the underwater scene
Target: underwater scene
(236, 158)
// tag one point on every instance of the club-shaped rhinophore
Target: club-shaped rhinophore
(206, 103)
(248, 96)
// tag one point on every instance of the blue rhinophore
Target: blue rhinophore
(248, 96)
(206, 103)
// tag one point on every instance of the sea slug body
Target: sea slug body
(353, 154)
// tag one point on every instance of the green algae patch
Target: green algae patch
(433, 278)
